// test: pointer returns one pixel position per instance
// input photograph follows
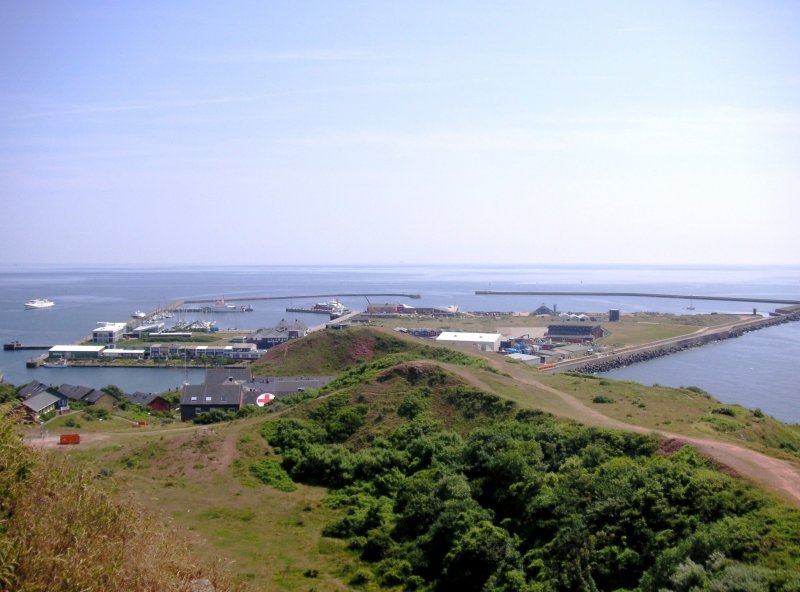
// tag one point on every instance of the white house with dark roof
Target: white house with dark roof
(40, 404)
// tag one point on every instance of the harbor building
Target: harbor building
(236, 351)
(148, 329)
(575, 332)
(76, 352)
(108, 332)
(123, 354)
(389, 309)
(281, 333)
(483, 341)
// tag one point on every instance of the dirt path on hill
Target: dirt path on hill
(53, 441)
(35, 441)
(779, 476)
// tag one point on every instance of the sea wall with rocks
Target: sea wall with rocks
(608, 362)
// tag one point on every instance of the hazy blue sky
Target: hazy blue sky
(438, 131)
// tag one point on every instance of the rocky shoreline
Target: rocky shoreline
(615, 361)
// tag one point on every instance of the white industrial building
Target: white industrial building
(131, 354)
(75, 352)
(483, 341)
(108, 332)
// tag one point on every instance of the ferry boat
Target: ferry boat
(139, 315)
(39, 303)
(333, 307)
(222, 306)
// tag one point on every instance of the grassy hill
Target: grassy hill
(61, 529)
(688, 410)
(333, 352)
(423, 467)
(443, 486)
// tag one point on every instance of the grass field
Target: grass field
(688, 411)
(644, 328)
(199, 480)
(634, 329)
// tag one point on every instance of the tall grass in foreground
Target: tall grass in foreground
(60, 529)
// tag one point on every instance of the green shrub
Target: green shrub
(602, 399)
(47, 416)
(214, 416)
(93, 412)
(721, 424)
(270, 472)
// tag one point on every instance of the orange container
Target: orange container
(70, 439)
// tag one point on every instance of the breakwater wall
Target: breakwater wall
(639, 295)
(596, 365)
(307, 296)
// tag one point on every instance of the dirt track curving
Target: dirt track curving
(778, 476)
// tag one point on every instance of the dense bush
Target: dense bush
(93, 412)
(526, 503)
(214, 416)
(271, 473)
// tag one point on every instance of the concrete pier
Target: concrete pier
(306, 296)
(637, 295)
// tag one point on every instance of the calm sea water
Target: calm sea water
(760, 369)
(86, 295)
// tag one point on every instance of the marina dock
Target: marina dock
(309, 296)
(17, 346)
(307, 310)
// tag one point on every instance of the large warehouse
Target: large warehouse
(483, 341)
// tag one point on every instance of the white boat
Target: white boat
(39, 303)
(62, 363)
(139, 314)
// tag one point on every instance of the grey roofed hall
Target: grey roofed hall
(94, 396)
(31, 389)
(217, 376)
(39, 402)
(73, 393)
(208, 394)
(280, 387)
(140, 398)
